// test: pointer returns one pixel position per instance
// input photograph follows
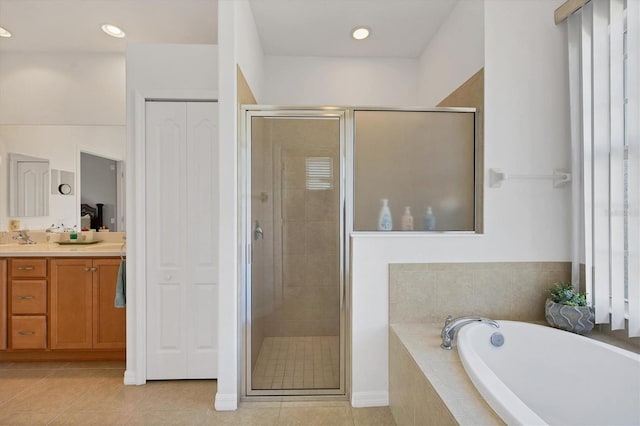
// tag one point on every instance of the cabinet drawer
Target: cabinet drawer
(27, 268)
(29, 332)
(28, 297)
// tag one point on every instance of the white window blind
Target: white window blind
(604, 50)
(319, 172)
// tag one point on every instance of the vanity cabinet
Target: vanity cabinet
(83, 315)
(27, 303)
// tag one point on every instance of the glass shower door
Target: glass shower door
(295, 231)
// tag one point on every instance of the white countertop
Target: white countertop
(101, 249)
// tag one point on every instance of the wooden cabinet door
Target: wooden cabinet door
(71, 300)
(3, 304)
(109, 322)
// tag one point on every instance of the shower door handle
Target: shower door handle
(257, 232)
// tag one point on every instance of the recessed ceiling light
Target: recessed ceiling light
(4, 32)
(113, 31)
(360, 33)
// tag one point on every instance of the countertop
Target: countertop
(42, 249)
(446, 374)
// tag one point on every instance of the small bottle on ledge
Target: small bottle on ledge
(384, 219)
(429, 220)
(407, 219)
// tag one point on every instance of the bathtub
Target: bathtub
(541, 375)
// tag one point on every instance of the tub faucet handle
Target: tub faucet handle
(451, 326)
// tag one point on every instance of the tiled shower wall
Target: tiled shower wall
(421, 293)
(306, 288)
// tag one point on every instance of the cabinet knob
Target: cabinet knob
(94, 269)
(25, 268)
(26, 297)
(26, 333)
(87, 269)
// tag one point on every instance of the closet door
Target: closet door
(181, 246)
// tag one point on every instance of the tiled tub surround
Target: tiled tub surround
(427, 293)
(428, 385)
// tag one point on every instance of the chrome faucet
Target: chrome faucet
(23, 235)
(452, 325)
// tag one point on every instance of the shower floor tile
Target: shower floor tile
(310, 362)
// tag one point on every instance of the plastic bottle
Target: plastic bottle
(384, 219)
(429, 220)
(73, 235)
(407, 219)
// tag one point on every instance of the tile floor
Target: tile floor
(311, 362)
(92, 393)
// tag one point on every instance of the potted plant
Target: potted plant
(567, 309)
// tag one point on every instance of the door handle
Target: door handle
(257, 232)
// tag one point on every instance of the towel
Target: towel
(121, 286)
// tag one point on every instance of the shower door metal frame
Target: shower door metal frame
(245, 228)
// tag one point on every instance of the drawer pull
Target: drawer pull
(87, 269)
(26, 297)
(26, 333)
(26, 268)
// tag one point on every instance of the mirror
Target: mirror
(28, 186)
(62, 146)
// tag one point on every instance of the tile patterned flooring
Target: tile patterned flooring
(88, 393)
(311, 362)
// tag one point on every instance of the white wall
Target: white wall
(239, 46)
(61, 145)
(454, 54)
(158, 71)
(526, 131)
(340, 81)
(62, 88)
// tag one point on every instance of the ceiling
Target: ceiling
(400, 28)
(74, 25)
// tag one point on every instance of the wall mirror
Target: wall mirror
(63, 148)
(28, 186)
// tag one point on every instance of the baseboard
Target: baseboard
(130, 378)
(369, 399)
(226, 402)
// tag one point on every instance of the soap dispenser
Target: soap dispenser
(429, 220)
(384, 219)
(407, 219)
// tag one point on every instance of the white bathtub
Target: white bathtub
(541, 375)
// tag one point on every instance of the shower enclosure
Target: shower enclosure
(310, 176)
(294, 232)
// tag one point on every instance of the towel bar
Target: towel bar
(497, 176)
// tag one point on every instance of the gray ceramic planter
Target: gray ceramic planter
(576, 319)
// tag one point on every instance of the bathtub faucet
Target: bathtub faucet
(452, 325)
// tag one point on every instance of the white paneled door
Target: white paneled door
(32, 188)
(182, 239)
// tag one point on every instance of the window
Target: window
(604, 58)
